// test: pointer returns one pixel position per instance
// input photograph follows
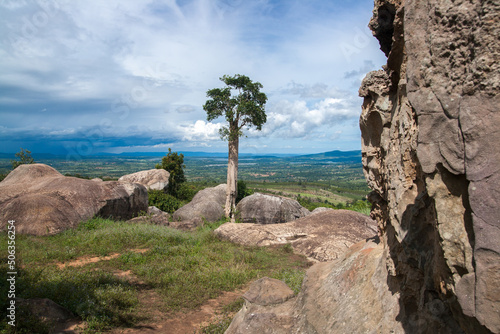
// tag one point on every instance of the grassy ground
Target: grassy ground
(184, 268)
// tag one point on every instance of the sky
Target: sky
(91, 76)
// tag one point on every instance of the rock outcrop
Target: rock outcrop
(322, 236)
(348, 295)
(269, 209)
(42, 201)
(154, 179)
(207, 204)
(430, 126)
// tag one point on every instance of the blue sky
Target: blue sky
(86, 77)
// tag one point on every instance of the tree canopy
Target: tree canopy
(243, 109)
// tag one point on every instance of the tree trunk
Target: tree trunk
(232, 178)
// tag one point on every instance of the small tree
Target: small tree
(242, 103)
(24, 158)
(174, 164)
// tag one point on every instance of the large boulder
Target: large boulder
(42, 201)
(154, 179)
(349, 295)
(322, 236)
(269, 209)
(208, 204)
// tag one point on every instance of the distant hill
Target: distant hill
(332, 155)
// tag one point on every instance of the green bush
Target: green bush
(243, 191)
(174, 164)
(186, 191)
(163, 201)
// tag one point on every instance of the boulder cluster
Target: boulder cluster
(42, 201)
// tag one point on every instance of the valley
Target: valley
(333, 178)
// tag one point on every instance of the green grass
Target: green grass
(184, 268)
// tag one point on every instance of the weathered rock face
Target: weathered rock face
(268, 291)
(349, 295)
(207, 204)
(42, 201)
(322, 236)
(265, 309)
(154, 179)
(268, 209)
(430, 131)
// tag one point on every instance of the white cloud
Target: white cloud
(200, 131)
(293, 119)
(62, 132)
(78, 58)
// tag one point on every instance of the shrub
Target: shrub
(243, 191)
(163, 201)
(186, 192)
(174, 164)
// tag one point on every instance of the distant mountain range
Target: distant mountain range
(316, 156)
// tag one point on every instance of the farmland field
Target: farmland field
(332, 177)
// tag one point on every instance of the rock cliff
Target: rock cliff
(430, 127)
(430, 140)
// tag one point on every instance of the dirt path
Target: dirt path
(176, 323)
(181, 322)
(150, 306)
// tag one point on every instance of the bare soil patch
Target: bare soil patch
(86, 260)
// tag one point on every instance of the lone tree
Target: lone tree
(242, 103)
